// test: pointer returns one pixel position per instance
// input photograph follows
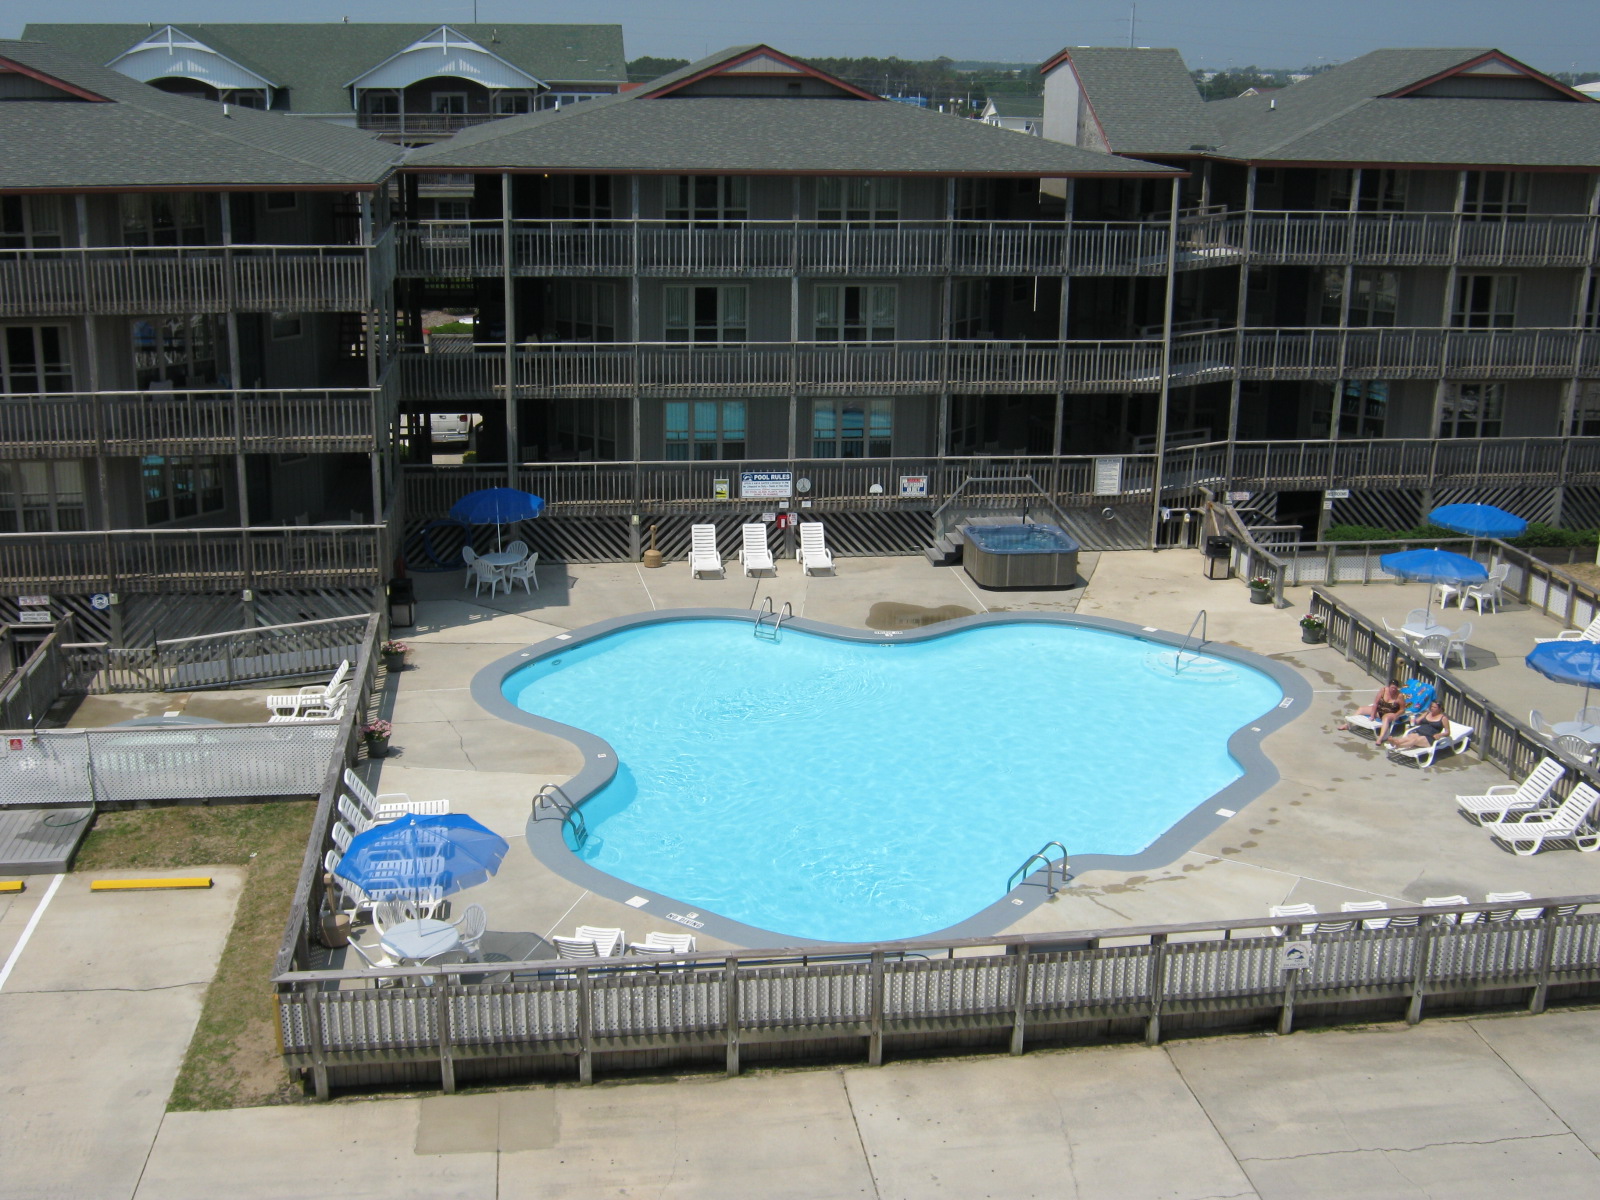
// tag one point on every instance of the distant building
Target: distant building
(407, 82)
(1023, 114)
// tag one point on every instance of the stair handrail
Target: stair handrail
(1050, 867)
(1200, 620)
(555, 797)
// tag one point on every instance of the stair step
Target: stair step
(943, 553)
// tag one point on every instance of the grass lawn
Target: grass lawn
(233, 1060)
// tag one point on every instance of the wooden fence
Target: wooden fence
(27, 693)
(481, 1020)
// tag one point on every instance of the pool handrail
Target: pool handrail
(1049, 867)
(1205, 636)
(553, 795)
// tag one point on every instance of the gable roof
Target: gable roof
(314, 61)
(1143, 99)
(1361, 112)
(651, 130)
(141, 137)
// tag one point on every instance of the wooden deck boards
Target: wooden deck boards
(40, 841)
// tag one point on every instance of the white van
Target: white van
(450, 428)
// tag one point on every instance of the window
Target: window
(30, 223)
(969, 306)
(33, 359)
(1586, 411)
(705, 314)
(851, 428)
(285, 325)
(580, 197)
(41, 497)
(855, 313)
(1495, 195)
(177, 352)
(1472, 410)
(509, 102)
(1372, 300)
(1485, 302)
(178, 488)
(1381, 191)
(281, 202)
(583, 311)
(380, 104)
(1591, 312)
(244, 97)
(584, 429)
(1362, 410)
(707, 199)
(857, 201)
(163, 219)
(972, 199)
(450, 103)
(703, 430)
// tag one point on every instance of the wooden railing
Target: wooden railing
(27, 693)
(339, 1026)
(202, 421)
(206, 559)
(140, 280)
(1409, 353)
(1417, 239)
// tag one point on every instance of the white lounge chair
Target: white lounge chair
(607, 941)
(1446, 901)
(387, 806)
(1289, 910)
(312, 713)
(1589, 633)
(313, 695)
(1526, 833)
(1497, 915)
(1455, 740)
(703, 553)
(814, 552)
(663, 943)
(575, 947)
(1351, 906)
(1505, 799)
(524, 573)
(754, 552)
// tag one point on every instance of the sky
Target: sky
(1554, 35)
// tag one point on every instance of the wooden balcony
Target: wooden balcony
(775, 368)
(89, 424)
(139, 280)
(743, 249)
(1416, 239)
(194, 560)
(1417, 353)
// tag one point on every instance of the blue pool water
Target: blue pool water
(859, 792)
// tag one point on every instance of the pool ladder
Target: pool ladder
(1051, 866)
(1200, 620)
(777, 616)
(552, 795)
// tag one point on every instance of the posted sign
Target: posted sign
(766, 485)
(1107, 476)
(913, 485)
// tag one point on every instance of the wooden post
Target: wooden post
(1019, 999)
(1419, 975)
(1547, 947)
(875, 1018)
(1158, 983)
(730, 1011)
(447, 1062)
(319, 1049)
(585, 1028)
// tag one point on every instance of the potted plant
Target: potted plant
(377, 734)
(394, 656)
(1313, 629)
(1260, 590)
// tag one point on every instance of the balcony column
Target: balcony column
(91, 352)
(240, 474)
(1063, 329)
(1240, 306)
(513, 438)
(1446, 315)
(1164, 400)
(379, 409)
(636, 404)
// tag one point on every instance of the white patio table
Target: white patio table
(420, 940)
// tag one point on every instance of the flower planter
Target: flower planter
(377, 747)
(394, 662)
(1313, 637)
(1260, 596)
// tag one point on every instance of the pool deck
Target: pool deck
(1342, 822)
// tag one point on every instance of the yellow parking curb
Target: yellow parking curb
(145, 885)
(12, 885)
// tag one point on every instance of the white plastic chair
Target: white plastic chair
(1575, 747)
(1434, 647)
(1490, 591)
(470, 557)
(1540, 725)
(1455, 740)
(1526, 833)
(518, 547)
(754, 552)
(575, 948)
(1448, 901)
(474, 922)
(1457, 645)
(358, 821)
(1289, 910)
(487, 573)
(664, 943)
(1511, 914)
(606, 941)
(1505, 799)
(523, 573)
(341, 837)
(814, 552)
(313, 695)
(1351, 906)
(703, 553)
(386, 806)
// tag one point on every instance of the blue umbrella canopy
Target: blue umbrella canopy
(1434, 566)
(448, 852)
(1568, 662)
(496, 506)
(1480, 520)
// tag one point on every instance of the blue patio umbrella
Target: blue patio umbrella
(1479, 520)
(1568, 662)
(448, 852)
(497, 507)
(1433, 566)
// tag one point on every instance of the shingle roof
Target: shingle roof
(315, 61)
(643, 131)
(781, 135)
(1340, 116)
(1144, 99)
(147, 138)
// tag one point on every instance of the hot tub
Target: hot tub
(1023, 555)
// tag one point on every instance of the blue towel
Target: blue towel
(1418, 695)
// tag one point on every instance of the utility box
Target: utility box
(1219, 554)
(402, 603)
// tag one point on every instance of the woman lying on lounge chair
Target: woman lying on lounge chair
(1424, 731)
(1385, 708)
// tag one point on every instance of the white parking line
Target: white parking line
(27, 932)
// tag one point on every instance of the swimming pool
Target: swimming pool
(868, 788)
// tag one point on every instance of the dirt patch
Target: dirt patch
(233, 1059)
(889, 614)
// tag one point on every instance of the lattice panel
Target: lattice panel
(149, 619)
(93, 625)
(288, 608)
(1580, 508)
(1531, 504)
(1400, 509)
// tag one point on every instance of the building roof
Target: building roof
(136, 136)
(1144, 99)
(1358, 112)
(1017, 106)
(659, 128)
(314, 61)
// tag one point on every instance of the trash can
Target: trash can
(402, 603)
(1219, 551)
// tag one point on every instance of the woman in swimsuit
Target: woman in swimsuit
(1385, 708)
(1424, 731)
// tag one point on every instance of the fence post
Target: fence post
(1547, 946)
(585, 1028)
(319, 1049)
(447, 1062)
(1419, 973)
(1158, 983)
(875, 1010)
(730, 1011)
(1019, 999)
